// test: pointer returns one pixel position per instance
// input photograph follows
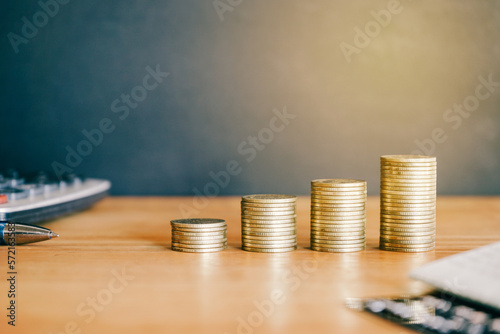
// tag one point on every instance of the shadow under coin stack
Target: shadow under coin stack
(407, 203)
(199, 235)
(268, 223)
(338, 215)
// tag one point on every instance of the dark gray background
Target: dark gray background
(227, 76)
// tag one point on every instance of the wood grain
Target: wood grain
(169, 292)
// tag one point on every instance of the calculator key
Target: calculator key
(13, 178)
(14, 194)
(32, 189)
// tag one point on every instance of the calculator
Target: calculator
(38, 197)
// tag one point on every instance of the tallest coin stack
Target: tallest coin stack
(407, 203)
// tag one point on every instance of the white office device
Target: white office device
(473, 275)
(36, 199)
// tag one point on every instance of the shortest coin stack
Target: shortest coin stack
(199, 235)
(268, 223)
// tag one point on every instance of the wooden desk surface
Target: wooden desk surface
(112, 271)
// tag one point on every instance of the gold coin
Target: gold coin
(337, 219)
(269, 234)
(338, 230)
(389, 173)
(407, 201)
(338, 193)
(325, 222)
(406, 250)
(408, 158)
(338, 182)
(269, 214)
(337, 250)
(346, 219)
(270, 206)
(408, 222)
(415, 223)
(412, 212)
(198, 242)
(269, 198)
(413, 239)
(268, 229)
(386, 203)
(416, 164)
(408, 168)
(265, 210)
(198, 234)
(411, 173)
(340, 245)
(410, 245)
(255, 209)
(409, 182)
(403, 245)
(406, 197)
(409, 188)
(398, 182)
(269, 250)
(409, 219)
(408, 227)
(269, 245)
(334, 225)
(407, 209)
(199, 250)
(413, 184)
(284, 230)
(415, 213)
(200, 230)
(198, 222)
(335, 202)
(410, 232)
(284, 237)
(391, 233)
(385, 193)
(354, 206)
(360, 209)
(408, 164)
(269, 241)
(336, 198)
(268, 222)
(357, 213)
(337, 237)
(213, 245)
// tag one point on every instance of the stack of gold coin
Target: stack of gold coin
(338, 215)
(268, 223)
(199, 235)
(407, 203)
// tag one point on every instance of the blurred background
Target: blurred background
(161, 97)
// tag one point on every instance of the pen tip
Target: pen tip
(53, 235)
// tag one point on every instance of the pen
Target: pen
(12, 234)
